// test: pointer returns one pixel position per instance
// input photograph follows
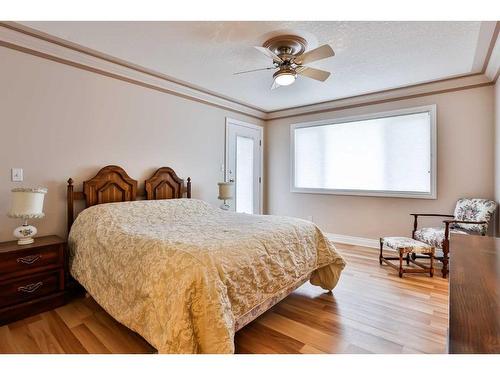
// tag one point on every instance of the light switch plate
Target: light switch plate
(16, 174)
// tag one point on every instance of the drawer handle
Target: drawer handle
(30, 288)
(30, 259)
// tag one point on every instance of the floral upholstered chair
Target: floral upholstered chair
(472, 216)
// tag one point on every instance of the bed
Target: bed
(184, 274)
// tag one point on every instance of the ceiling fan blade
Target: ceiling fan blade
(317, 74)
(254, 70)
(315, 54)
(275, 85)
(269, 53)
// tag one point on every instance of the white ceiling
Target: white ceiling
(370, 56)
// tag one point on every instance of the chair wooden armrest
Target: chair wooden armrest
(464, 222)
(438, 215)
(448, 222)
(415, 220)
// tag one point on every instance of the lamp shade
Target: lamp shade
(27, 203)
(225, 190)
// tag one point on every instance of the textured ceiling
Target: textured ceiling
(370, 56)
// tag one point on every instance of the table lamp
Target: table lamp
(27, 203)
(225, 193)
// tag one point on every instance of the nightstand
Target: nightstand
(32, 277)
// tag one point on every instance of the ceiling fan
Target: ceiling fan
(290, 59)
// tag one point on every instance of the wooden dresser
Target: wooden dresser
(474, 294)
(32, 277)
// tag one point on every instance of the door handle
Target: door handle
(29, 259)
(30, 288)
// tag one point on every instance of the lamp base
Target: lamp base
(224, 206)
(25, 241)
(25, 234)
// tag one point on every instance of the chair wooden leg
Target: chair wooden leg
(431, 271)
(408, 259)
(446, 250)
(381, 247)
(400, 264)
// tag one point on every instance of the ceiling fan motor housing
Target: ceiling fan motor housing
(286, 46)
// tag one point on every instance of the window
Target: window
(244, 174)
(385, 154)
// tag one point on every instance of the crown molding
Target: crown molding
(423, 89)
(492, 64)
(27, 40)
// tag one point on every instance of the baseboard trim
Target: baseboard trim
(351, 240)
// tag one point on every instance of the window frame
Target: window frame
(431, 109)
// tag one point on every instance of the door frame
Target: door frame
(260, 128)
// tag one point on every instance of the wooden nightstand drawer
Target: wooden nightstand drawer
(32, 277)
(29, 260)
(27, 288)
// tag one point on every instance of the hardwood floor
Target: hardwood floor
(371, 310)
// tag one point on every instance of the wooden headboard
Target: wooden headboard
(113, 184)
(165, 184)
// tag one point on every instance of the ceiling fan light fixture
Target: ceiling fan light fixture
(284, 77)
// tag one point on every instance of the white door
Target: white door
(243, 165)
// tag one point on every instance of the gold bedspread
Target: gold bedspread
(181, 273)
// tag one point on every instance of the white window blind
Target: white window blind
(389, 154)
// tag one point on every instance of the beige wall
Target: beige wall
(497, 141)
(58, 121)
(497, 153)
(465, 168)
